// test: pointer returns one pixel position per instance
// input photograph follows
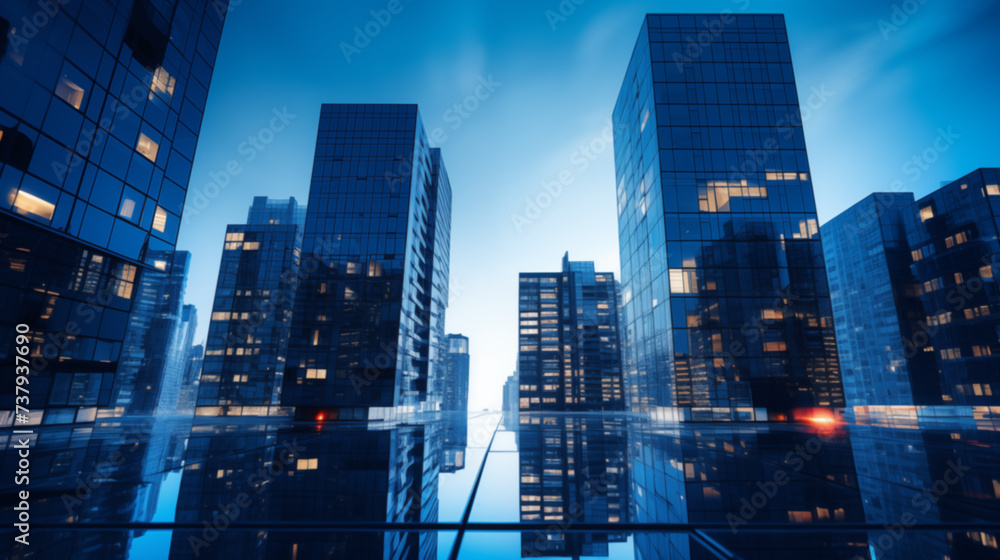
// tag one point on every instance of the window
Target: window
(993, 190)
(986, 271)
(27, 203)
(926, 213)
(147, 147)
(251, 246)
(683, 281)
(307, 464)
(163, 82)
(315, 373)
(128, 208)
(160, 219)
(69, 92)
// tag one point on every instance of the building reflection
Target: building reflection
(573, 469)
(739, 477)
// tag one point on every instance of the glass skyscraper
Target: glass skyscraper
(252, 313)
(915, 295)
(725, 305)
(368, 329)
(455, 401)
(875, 302)
(955, 248)
(568, 354)
(100, 110)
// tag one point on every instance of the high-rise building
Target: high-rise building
(875, 303)
(100, 110)
(455, 389)
(149, 369)
(915, 295)
(189, 386)
(725, 304)
(178, 360)
(252, 313)
(954, 244)
(368, 329)
(568, 356)
(455, 402)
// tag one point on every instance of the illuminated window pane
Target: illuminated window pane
(160, 219)
(993, 190)
(926, 213)
(128, 208)
(27, 203)
(69, 92)
(163, 82)
(147, 147)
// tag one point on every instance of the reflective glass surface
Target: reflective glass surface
(546, 485)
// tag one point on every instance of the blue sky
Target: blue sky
(881, 95)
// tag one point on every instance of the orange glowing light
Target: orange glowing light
(320, 417)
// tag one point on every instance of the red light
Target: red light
(320, 417)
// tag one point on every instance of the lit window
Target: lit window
(683, 281)
(220, 316)
(128, 208)
(774, 347)
(160, 219)
(993, 190)
(251, 246)
(147, 147)
(160, 265)
(27, 203)
(986, 271)
(307, 464)
(69, 92)
(926, 213)
(163, 82)
(315, 373)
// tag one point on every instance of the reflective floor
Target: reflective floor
(489, 486)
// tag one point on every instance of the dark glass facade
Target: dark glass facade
(875, 301)
(252, 313)
(152, 362)
(954, 245)
(368, 328)
(568, 354)
(100, 110)
(455, 399)
(915, 295)
(725, 306)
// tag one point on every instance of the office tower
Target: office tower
(368, 329)
(455, 402)
(511, 395)
(568, 356)
(381, 473)
(954, 245)
(572, 469)
(726, 309)
(875, 303)
(252, 312)
(178, 360)
(915, 297)
(455, 389)
(149, 371)
(100, 110)
(189, 386)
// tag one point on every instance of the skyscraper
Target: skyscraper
(150, 369)
(252, 313)
(915, 295)
(368, 329)
(568, 356)
(725, 304)
(455, 402)
(875, 303)
(100, 111)
(955, 247)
